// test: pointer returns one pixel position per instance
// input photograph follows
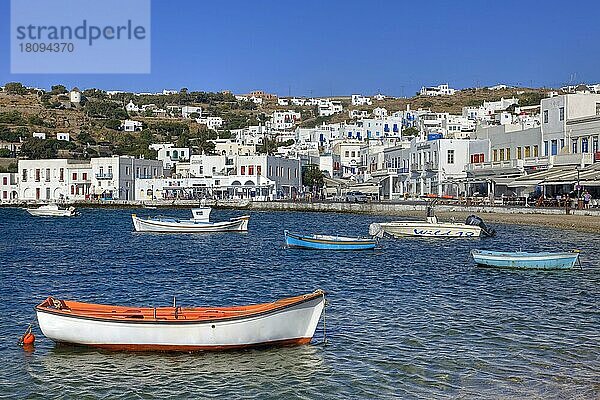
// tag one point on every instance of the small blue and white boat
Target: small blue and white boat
(326, 242)
(524, 260)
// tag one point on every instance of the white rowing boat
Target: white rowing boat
(289, 321)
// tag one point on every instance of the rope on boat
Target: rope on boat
(578, 258)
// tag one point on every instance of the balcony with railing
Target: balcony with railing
(495, 166)
(572, 159)
(104, 176)
(430, 166)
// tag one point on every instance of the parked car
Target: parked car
(356, 197)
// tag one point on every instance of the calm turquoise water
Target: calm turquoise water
(414, 319)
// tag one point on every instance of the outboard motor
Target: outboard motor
(376, 230)
(475, 220)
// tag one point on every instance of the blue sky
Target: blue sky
(324, 48)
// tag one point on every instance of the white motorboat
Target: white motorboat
(52, 210)
(431, 227)
(289, 321)
(199, 223)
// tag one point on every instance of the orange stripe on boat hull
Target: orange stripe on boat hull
(185, 348)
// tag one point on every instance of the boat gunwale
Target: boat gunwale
(439, 225)
(353, 241)
(233, 225)
(304, 299)
(523, 255)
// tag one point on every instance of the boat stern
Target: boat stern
(243, 222)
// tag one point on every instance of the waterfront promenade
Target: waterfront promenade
(580, 220)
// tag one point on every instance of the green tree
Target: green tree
(95, 94)
(15, 88)
(226, 134)
(35, 120)
(34, 148)
(5, 153)
(11, 117)
(268, 146)
(105, 109)
(12, 167)
(9, 135)
(410, 131)
(85, 138)
(530, 98)
(113, 124)
(312, 177)
(58, 89)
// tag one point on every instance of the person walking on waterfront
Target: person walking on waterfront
(586, 199)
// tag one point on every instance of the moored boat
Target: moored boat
(289, 321)
(327, 242)
(431, 227)
(525, 260)
(52, 210)
(198, 224)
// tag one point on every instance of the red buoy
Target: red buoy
(28, 338)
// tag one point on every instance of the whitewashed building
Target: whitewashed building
(359, 100)
(350, 157)
(358, 114)
(75, 96)
(380, 112)
(64, 136)
(170, 156)
(283, 120)
(9, 187)
(231, 147)
(284, 172)
(130, 125)
(113, 178)
(187, 111)
(213, 123)
(564, 120)
(54, 180)
(440, 90)
(198, 188)
(131, 107)
(328, 107)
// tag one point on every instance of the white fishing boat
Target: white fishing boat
(199, 223)
(431, 227)
(289, 321)
(52, 210)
